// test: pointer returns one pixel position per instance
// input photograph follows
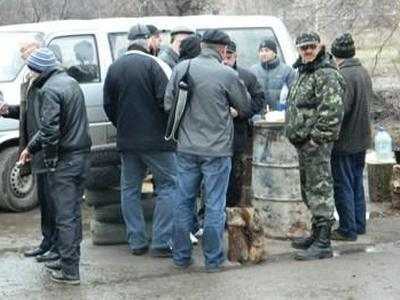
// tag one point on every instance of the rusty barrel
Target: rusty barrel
(276, 182)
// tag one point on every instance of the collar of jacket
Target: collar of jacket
(269, 65)
(211, 53)
(173, 54)
(321, 61)
(137, 48)
(41, 80)
(350, 62)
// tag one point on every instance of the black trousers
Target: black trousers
(47, 212)
(66, 189)
(236, 179)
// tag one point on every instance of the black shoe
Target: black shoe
(161, 252)
(337, 236)
(61, 277)
(55, 265)
(139, 251)
(35, 252)
(321, 247)
(48, 256)
(304, 243)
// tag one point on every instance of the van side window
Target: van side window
(118, 43)
(78, 55)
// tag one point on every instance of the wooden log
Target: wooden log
(395, 187)
(379, 181)
(246, 235)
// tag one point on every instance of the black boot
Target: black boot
(305, 243)
(321, 247)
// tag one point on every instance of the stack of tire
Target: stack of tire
(104, 196)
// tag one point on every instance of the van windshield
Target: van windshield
(10, 60)
(247, 41)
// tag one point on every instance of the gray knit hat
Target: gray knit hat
(41, 60)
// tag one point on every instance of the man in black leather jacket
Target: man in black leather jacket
(59, 143)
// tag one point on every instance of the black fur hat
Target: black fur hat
(343, 46)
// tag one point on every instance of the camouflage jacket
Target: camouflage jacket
(315, 107)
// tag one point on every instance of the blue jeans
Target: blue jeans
(347, 172)
(133, 167)
(215, 174)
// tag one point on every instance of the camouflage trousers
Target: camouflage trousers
(316, 180)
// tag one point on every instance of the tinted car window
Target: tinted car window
(10, 56)
(118, 43)
(78, 55)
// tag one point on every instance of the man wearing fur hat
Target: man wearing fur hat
(272, 73)
(348, 155)
(314, 116)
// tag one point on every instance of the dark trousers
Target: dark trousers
(236, 179)
(347, 171)
(67, 187)
(47, 213)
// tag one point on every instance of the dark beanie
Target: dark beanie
(190, 47)
(270, 44)
(343, 46)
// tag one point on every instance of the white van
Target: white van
(107, 40)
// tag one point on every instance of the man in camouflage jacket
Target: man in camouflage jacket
(315, 112)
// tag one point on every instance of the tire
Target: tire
(103, 177)
(107, 234)
(104, 155)
(108, 214)
(17, 194)
(99, 198)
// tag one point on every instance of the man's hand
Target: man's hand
(3, 108)
(25, 157)
(233, 112)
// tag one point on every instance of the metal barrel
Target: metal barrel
(276, 182)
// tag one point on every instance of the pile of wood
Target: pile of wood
(246, 235)
(396, 187)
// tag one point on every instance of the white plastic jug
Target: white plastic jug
(383, 145)
(282, 97)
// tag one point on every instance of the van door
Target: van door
(78, 54)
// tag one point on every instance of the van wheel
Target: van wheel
(17, 193)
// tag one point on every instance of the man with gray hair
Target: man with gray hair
(171, 54)
(133, 101)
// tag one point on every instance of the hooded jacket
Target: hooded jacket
(315, 107)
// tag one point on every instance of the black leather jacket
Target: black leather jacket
(56, 122)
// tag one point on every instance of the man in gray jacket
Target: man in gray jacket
(348, 155)
(205, 140)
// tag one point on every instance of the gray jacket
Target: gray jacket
(272, 76)
(355, 133)
(170, 57)
(206, 128)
